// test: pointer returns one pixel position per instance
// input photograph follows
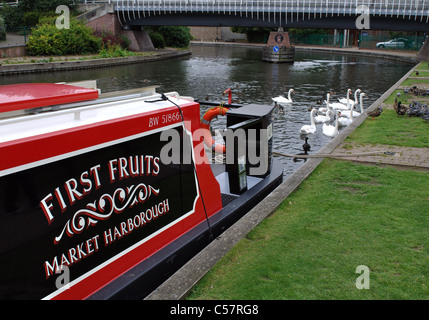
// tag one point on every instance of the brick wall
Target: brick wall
(139, 40)
(18, 51)
(206, 33)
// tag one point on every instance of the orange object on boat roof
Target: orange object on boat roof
(35, 95)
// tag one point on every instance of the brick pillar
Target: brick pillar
(139, 40)
(278, 48)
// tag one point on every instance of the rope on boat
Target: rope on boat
(307, 156)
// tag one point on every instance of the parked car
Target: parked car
(398, 43)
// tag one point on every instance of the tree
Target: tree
(44, 5)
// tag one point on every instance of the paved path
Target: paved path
(396, 155)
(13, 40)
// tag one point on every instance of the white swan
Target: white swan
(355, 113)
(339, 105)
(324, 110)
(308, 129)
(352, 102)
(284, 100)
(330, 130)
(345, 120)
(321, 118)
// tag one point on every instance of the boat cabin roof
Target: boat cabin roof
(35, 95)
(63, 108)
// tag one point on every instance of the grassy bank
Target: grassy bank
(343, 216)
(340, 218)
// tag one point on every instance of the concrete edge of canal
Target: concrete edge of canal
(89, 64)
(179, 285)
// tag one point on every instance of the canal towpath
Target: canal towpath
(181, 283)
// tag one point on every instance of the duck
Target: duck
(280, 108)
(330, 130)
(375, 113)
(400, 110)
(306, 147)
(347, 100)
(283, 100)
(311, 128)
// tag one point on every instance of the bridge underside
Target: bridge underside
(133, 19)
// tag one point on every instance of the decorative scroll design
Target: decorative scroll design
(121, 200)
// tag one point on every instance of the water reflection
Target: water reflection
(211, 69)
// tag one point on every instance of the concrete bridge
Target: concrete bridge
(410, 15)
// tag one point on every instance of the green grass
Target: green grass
(344, 215)
(391, 129)
(405, 98)
(410, 82)
(423, 66)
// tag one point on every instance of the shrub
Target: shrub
(32, 18)
(157, 40)
(178, 37)
(108, 38)
(12, 16)
(114, 51)
(44, 5)
(2, 30)
(46, 39)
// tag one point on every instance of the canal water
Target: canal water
(210, 70)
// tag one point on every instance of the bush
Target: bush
(12, 16)
(2, 30)
(114, 51)
(32, 18)
(108, 38)
(178, 37)
(157, 40)
(44, 5)
(46, 39)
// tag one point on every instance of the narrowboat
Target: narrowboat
(104, 196)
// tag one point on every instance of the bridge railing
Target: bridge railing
(417, 9)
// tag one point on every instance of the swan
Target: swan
(345, 120)
(321, 118)
(324, 110)
(308, 129)
(339, 105)
(330, 130)
(352, 102)
(284, 100)
(355, 113)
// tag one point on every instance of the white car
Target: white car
(398, 43)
